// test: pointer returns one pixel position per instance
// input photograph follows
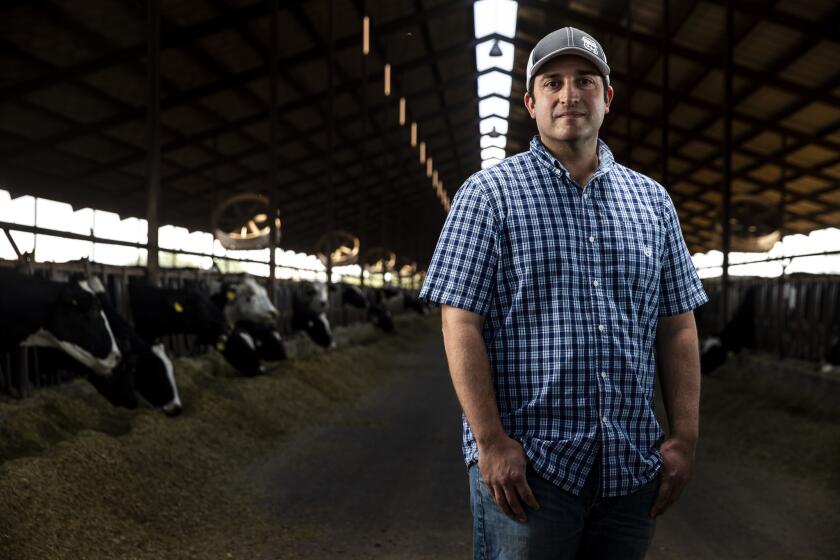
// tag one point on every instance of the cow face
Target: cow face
(194, 312)
(381, 317)
(267, 339)
(78, 326)
(240, 351)
(248, 301)
(353, 296)
(315, 295)
(154, 380)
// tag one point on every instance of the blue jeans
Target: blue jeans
(584, 527)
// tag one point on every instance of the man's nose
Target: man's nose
(569, 93)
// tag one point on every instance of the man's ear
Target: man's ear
(529, 104)
(610, 92)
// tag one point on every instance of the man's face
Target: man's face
(569, 101)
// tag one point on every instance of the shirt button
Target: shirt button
(604, 374)
(584, 195)
(595, 283)
(604, 418)
(591, 238)
(601, 328)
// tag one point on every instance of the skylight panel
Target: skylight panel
(495, 20)
(494, 106)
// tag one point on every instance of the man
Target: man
(557, 271)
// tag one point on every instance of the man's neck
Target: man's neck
(581, 159)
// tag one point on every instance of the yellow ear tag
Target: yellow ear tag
(231, 295)
(259, 343)
(311, 324)
(178, 307)
(220, 346)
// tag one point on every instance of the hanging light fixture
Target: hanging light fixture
(387, 80)
(435, 177)
(429, 168)
(422, 152)
(496, 50)
(413, 134)
(402, 111)
(366, 35)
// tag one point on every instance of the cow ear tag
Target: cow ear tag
(259, 343)
(220, 346)
(231, 295)
(311, 324)
(178, 307)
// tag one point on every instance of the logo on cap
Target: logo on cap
(590, 45)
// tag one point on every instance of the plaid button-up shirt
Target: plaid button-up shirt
(571, 282)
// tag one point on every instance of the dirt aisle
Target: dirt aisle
(383, 478)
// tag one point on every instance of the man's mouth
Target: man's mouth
(569, 114)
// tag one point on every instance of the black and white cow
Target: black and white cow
(267, 340)
(412, 302)
(309, 306)
(738, 333)
(159, 312)
(163, 311)
(255, 337)
(145, 368)
(245, 300)
(377, 311)
(62, 315)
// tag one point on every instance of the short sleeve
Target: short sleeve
(463, 267)
(680, 289)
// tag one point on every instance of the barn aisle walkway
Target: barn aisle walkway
(383, 479)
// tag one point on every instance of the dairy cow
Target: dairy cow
(63, 315)
(309, 306)
(162, 311)
(737, 334)
(267, 340)
(245, 300)
(377, 311)
(145, 369)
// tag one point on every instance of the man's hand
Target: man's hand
(502, 464)
(677, 469)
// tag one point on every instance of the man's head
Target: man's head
(568, 86)
(571, 41)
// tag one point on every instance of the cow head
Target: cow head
(78, 326)
(194, 312)
(313, 323)
(267, 339)
(240, 351)
(353, 296)
(154, 379)
(248, 301)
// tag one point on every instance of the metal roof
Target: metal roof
(73, 107)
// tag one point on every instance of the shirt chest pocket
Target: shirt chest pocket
(642, 257)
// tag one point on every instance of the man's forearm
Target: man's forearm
(470, 371)
(679, 373)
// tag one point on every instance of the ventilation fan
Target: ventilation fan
(755, 224)
(379, 259)
(241, 222)
(342, 246)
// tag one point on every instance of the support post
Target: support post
(727, 161)
(153, 139)
(272, 152)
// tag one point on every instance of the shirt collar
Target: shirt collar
(605, 158)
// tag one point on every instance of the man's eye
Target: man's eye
(586, 81)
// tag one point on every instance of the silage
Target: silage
(82, 479)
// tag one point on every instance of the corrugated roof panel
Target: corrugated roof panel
(766, 43)
(701, 32)
(816, 66)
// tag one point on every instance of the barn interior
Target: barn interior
(354, 123)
